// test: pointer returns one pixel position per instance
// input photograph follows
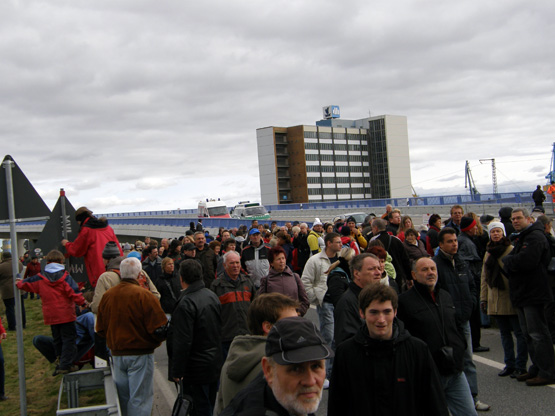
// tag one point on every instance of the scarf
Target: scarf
(493, 270)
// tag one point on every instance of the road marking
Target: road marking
(495, 364)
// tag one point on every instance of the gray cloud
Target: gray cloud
(157, 105)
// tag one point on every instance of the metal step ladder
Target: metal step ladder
(74, 383)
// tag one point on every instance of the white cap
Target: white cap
(317, 222)
(496, 224)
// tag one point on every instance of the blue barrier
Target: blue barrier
(503, 198)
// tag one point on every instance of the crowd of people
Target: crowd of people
(400, 308)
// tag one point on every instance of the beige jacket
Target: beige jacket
(499, 302)
(108, 280)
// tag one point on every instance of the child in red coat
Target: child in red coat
(59, 294)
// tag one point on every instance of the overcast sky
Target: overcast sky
(137, 105)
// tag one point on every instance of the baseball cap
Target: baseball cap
(296, 340)
(254, 231)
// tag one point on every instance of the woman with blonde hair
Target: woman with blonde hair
(339, 276)
(406, 224)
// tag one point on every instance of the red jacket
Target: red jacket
(32, 269)
(59, 294)
(348, 241)
(90, 242)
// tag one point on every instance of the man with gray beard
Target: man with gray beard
(293, 373)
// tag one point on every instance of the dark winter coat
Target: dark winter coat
(526, 266)
(538, 197)
(256, 399)
(169, 287)
(346, 315)
(195, 336)
(505, 216)
(400, 258)
(209, 262)
(458, 281)
(433, 321)
(416, 251)
(338, 282)
(432, 239)
(392, 377)
(154, 270)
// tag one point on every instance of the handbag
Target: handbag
(183, 403)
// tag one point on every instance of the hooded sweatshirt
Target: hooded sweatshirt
(240, 368)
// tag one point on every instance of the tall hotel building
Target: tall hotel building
(335, 160)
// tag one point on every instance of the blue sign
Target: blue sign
(331, 111)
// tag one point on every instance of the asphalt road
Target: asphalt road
(506, 396)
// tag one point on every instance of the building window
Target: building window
(310, 134)
(313, 168)
(313, 146)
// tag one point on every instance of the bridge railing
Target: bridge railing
(501, 198)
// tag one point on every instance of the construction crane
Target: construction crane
(551, 175)
(469, 181)
(493, 174)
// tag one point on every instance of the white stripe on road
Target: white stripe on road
(495, 364)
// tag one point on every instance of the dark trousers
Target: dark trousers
(45, 345)
(65, 336)
(204, 397)
(10, 312)
(550, 316)
(507, 325)
(534, 327)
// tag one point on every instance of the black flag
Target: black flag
(27, 202)
(53, 233)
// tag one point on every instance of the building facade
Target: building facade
(335, 160)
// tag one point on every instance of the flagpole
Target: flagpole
(8, 164)
(64, 219)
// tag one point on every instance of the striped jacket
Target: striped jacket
(235, 297)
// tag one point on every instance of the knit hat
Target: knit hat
(467, 223)
(496, 224)
(351, 219)
(111, 251)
